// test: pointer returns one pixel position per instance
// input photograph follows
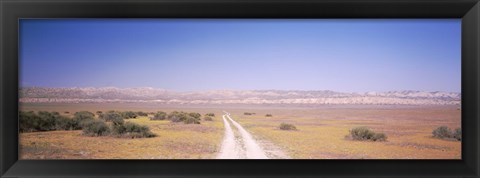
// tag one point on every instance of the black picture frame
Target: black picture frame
(12, 10)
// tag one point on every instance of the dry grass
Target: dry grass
(321, 132)
(173, 141)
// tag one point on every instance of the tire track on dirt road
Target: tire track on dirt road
(233, 149)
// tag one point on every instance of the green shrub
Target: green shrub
(176, 116)
(458, 134)
(95, 128)
(379, 137)
(28, 121)
(268, 115)
(248, 113)
(159, 116)
(285, 126)
(47, 121)
(187, 118)
(131, 130)
(191, 120)
(210, 114)
(195, 115)
(442, 132)
(137, 131)
(65, 123)
(207, 118)
(114, 117)
(140, 113)
(364, 133)
(82, 117)
(129, 115)
(118, 129)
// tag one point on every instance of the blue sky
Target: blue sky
(190, 55)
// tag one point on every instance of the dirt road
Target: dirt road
(241, 145)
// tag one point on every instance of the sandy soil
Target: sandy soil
(243, 145)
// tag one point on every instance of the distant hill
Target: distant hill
(146, 94)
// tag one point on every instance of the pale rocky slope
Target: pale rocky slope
(111, 94)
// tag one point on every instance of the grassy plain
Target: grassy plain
(173, 140)
(321, 131)
(320, 135)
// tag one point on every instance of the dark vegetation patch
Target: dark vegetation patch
(210, 114)
(443, 132)
(187, 118)
(160, 115)
(84, 120)
(365, 134)
(285, 126)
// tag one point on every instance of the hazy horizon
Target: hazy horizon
(181, 91)
(202, 55)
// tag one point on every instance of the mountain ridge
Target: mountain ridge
(149, 94)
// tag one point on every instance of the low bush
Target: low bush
(268, 115)
(65, 123)
(129, 115)
(191, 120)
(443, 132)
(83, 116)
(99, 112)
(159, 116)
(29, 121)
(45, 121)
(458, 134)
(379, 137)
(207, 118)
(248, 113)
(140, 113)
(131, 130)
(364, 133)
(176, 116)
(187, 118)
(95, 128)
(195, 115)
(210, 115)
(137, 131)
(285, 126)
(114, 117)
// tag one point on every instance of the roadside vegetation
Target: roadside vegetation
(110, 135)
(210, 114)
(443, 132)
(49, 121)
(111, 123)
(207, 118)
(107, 123)
(187, 118)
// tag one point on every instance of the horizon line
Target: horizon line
(185, 91)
